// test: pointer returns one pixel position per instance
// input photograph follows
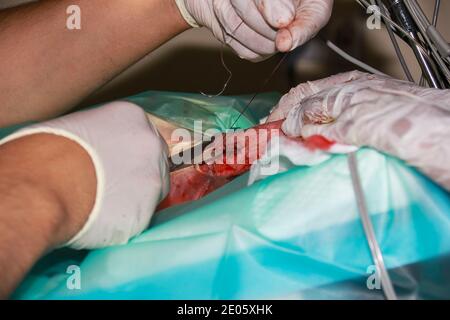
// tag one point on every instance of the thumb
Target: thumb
(306, 90)
(344, 130)
(311, 16)
(295, 126)
(278, 13)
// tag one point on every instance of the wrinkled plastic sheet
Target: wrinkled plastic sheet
(296, 235)
(221, 113)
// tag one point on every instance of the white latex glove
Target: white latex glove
(256, 29)
(396, 117)
(131, 167)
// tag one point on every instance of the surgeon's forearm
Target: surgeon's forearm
(44, 200)
(24, 233)
(45, 68)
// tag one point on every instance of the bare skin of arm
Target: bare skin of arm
(45, 199)
(47, 69)
(48, 183)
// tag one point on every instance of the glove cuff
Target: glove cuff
(95, 160)
(186, 15)
(95, 211)
(126, 161)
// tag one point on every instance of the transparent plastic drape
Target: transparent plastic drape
(296, 235)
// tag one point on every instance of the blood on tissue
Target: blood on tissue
(195, 182)
(225, 169)
(317, 142)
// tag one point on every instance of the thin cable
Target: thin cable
(397, 49)
(353, 60)
(261, 88)
(422, 81)
(437, 6)
(222, 59)
(375, 250)
(230, 76)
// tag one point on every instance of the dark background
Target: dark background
(191, 61)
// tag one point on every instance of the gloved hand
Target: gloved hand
(130, 161)
(256, 29)
(396, 117)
